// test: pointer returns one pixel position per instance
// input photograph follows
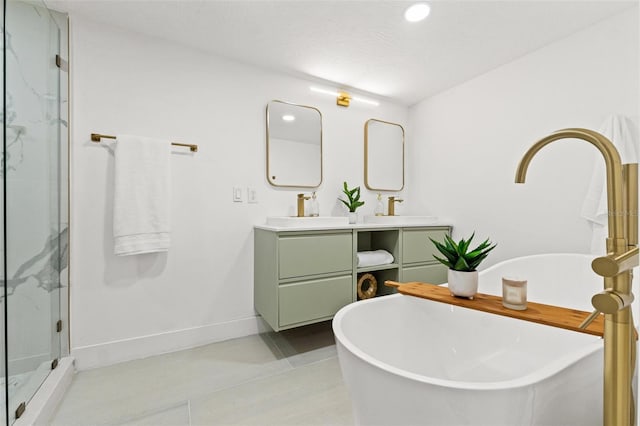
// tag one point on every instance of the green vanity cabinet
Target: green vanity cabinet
(418, 263)
(306, 276)
(302, 277)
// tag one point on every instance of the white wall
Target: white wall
(202, 290)
(467, 141)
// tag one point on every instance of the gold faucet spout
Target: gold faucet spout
(391, 207)
(301, 199)
(613, 170)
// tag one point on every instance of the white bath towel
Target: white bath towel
(142, 195)
(373, 258)
(623, 132)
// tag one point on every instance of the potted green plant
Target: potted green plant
(353, 197)
(462, 261)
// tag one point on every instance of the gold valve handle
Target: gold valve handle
(610, 302)
(607, 302)
(588, 320)
(612, 265)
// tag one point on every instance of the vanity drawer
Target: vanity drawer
(416, 246)
(314, 299)
(302, 255)
(432, 274)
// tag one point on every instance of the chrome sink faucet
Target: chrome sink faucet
(615, 268)
(301, 198)
(391, 207)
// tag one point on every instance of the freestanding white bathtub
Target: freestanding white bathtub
(410, 361)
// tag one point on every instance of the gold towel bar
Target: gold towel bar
(95, 137)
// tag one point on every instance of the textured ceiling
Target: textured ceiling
(363, 45)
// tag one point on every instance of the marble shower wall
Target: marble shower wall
(36, 214)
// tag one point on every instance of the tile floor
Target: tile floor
(286, 378)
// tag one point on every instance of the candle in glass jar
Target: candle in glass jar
(514, 293)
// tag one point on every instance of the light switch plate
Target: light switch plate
(237, 194)
(252, 195)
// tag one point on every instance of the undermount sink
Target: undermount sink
(401, 220)
(307, 221)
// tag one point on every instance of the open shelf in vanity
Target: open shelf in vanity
(303, 276)
(387, 239)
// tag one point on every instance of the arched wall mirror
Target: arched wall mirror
(383, 155)
(294, 145)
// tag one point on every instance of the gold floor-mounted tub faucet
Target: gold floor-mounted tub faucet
(616, 268)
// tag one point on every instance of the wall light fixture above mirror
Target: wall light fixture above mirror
(383, 155)
(344, 98)
(294, 145)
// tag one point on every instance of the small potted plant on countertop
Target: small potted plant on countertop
(462, 276)
(353, 195)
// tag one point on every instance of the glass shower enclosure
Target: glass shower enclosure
(34, 200)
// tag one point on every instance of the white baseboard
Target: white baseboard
(103, 354)
(44, 403)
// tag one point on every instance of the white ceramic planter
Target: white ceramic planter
(463, 284)
(353, 217)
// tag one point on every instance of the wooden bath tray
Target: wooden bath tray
(554, 316)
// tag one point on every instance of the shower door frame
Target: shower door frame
(60, 184)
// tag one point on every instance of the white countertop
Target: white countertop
(439, 223)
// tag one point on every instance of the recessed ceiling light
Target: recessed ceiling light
(288, 117)
(417, 12)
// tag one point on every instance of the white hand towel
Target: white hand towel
(372, 258)
(142, 195)
(624, 134)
